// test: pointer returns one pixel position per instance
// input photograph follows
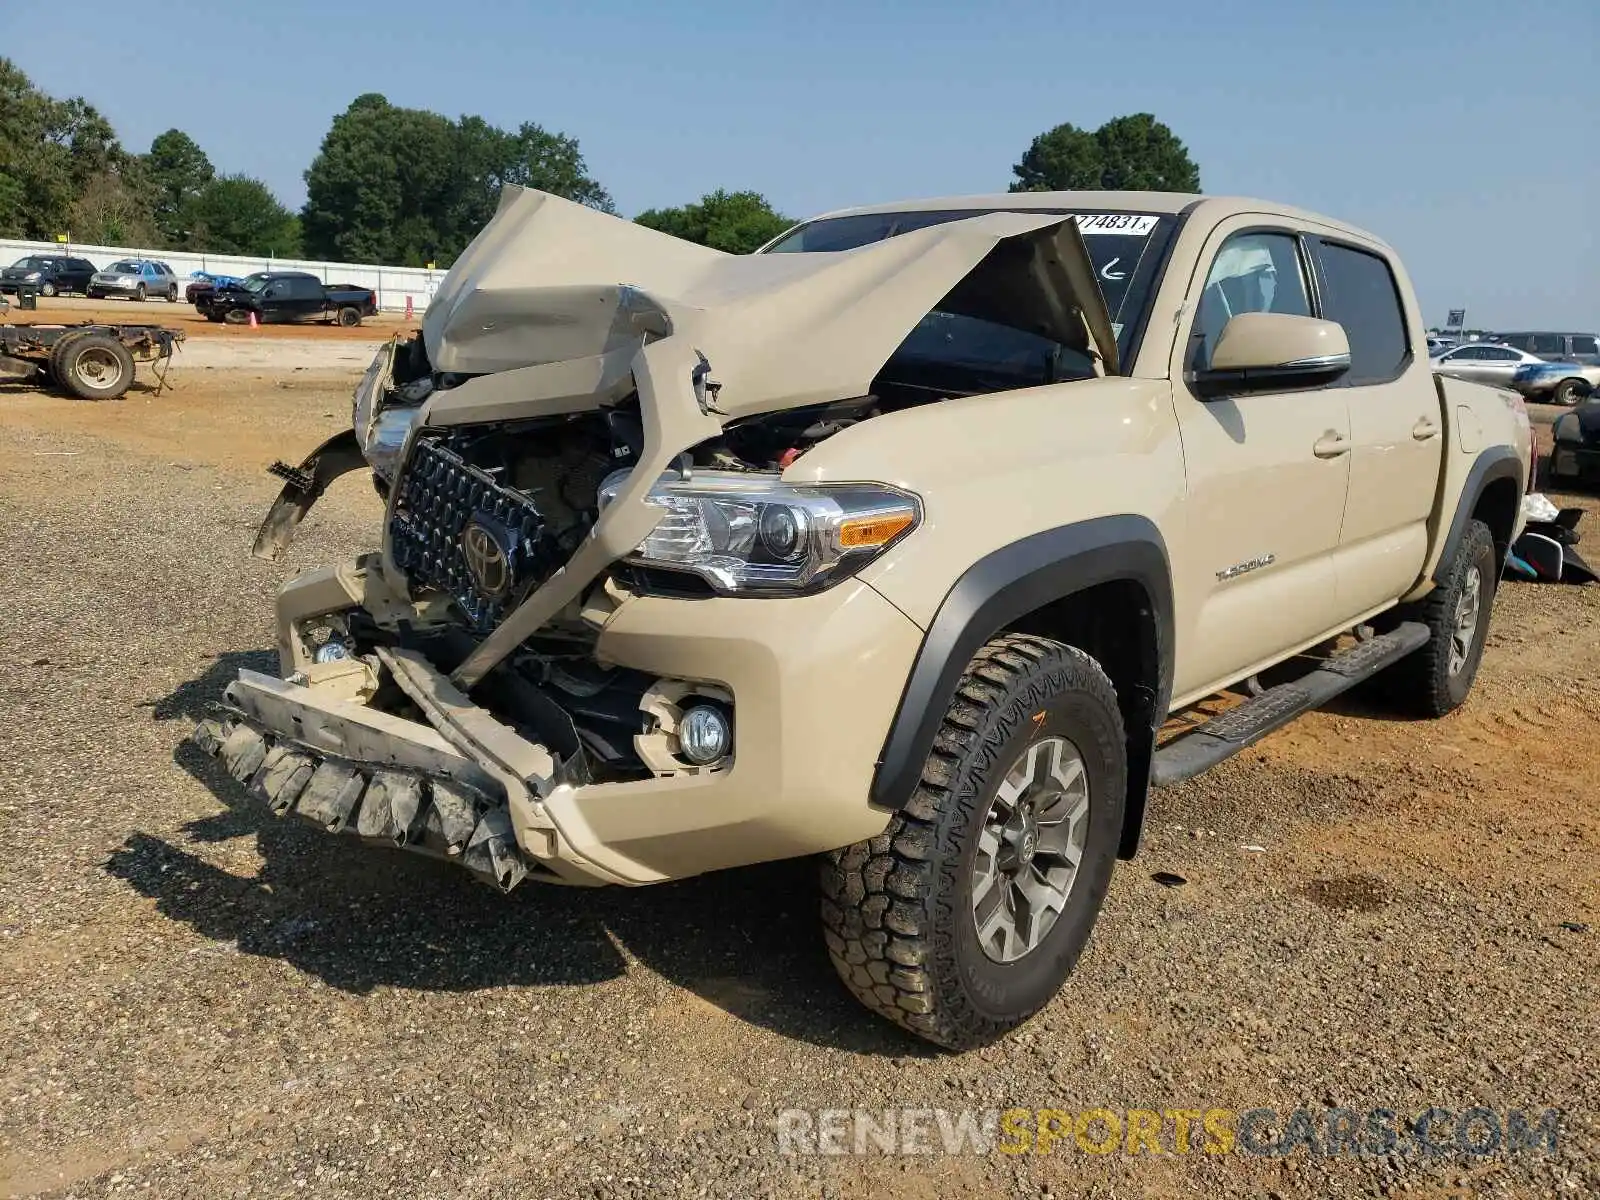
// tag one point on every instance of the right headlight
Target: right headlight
(753, 534)
(382, 425)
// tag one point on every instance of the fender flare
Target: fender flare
(1495, 463)
(997, 590)
(303, 487)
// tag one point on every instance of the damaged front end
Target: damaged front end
(541, 672)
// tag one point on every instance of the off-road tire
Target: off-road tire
(1568, 392)
(73, 376)
(349, 316)
(1422, 682)
(897, 909)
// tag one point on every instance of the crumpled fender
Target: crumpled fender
(303, 486)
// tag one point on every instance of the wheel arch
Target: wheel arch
(1492, 494)
(1102, 585)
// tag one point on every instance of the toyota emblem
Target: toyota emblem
(487, 560)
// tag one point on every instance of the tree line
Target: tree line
(408, 187)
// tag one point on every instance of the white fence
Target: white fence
(394, 285)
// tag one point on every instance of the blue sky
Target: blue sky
(1464, 133)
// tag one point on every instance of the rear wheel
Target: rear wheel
(1435, 680)
(1569, 392)
(349, 316)
(964, 917)
(95, 367)
(53, 366)
(172, 294)
(138, 293)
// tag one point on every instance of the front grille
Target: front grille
(459, 531)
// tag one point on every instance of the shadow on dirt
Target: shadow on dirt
(360, 917)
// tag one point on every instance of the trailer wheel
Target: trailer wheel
(349, 316)
(52, 368)
(96, 367)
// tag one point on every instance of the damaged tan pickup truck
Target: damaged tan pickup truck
(897, 543)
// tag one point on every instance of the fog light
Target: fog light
(703, 735)
(331, 651)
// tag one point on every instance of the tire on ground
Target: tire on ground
(53, 366)
(1435, 680)
(237, 316)
(1569, 391)
(95, 367)
(349, 316)
(898, 910)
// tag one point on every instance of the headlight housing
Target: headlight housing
(383, 418)
(753, 534)
(31, 276)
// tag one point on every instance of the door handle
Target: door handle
(1331, 445)
(1424, 429)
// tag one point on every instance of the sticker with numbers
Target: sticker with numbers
(1126, 224)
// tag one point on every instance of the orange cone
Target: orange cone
(252, 320)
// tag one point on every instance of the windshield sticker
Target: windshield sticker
(1126, 224)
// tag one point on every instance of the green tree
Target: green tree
(50, 153)
(234, 214)
(176, 169)
(1132, 153)
(737, 222)
(407, 186)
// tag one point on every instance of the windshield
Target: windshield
(1125, 249)
(127, 266)
(254, 283)
(31, 264)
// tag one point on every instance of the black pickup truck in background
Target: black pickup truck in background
(279, 296)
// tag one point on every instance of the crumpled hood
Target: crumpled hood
(547, 280)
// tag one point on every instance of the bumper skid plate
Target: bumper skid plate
(441, 818)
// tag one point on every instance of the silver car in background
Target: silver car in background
(136, 278)
(1506, 366)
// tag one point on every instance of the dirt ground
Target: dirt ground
(66, 310)
(197, 999)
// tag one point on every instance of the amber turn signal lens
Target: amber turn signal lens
(873, 531)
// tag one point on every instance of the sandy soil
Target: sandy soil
(197, 999)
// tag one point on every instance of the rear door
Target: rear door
(307, 296)
(1266, 474)
(1396, 423)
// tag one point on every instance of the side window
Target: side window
(1360, 294)
(1584, 344)
(1467, 352)
(1253, 272)
(1547, 343)
(1518, 341)
(1501, 354)
(310, 289)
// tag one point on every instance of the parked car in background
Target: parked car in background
(202, 282)
(1555, 347)
(1481, 362)
(287, 296)
(136, 278)
(1575, 456)
(52, 274)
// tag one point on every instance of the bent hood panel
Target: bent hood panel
(548, 280)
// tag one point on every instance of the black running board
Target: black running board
(1225, 735)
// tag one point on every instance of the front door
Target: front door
(1266, 473)
(1396, 426)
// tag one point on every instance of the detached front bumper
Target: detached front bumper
(815, 682)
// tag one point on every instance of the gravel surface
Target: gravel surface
(199, 1000)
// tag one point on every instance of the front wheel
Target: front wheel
(47, 289)
(1568, 392)
(965, 916)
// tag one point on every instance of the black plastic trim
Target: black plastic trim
(1497, 462)
(995, 591)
